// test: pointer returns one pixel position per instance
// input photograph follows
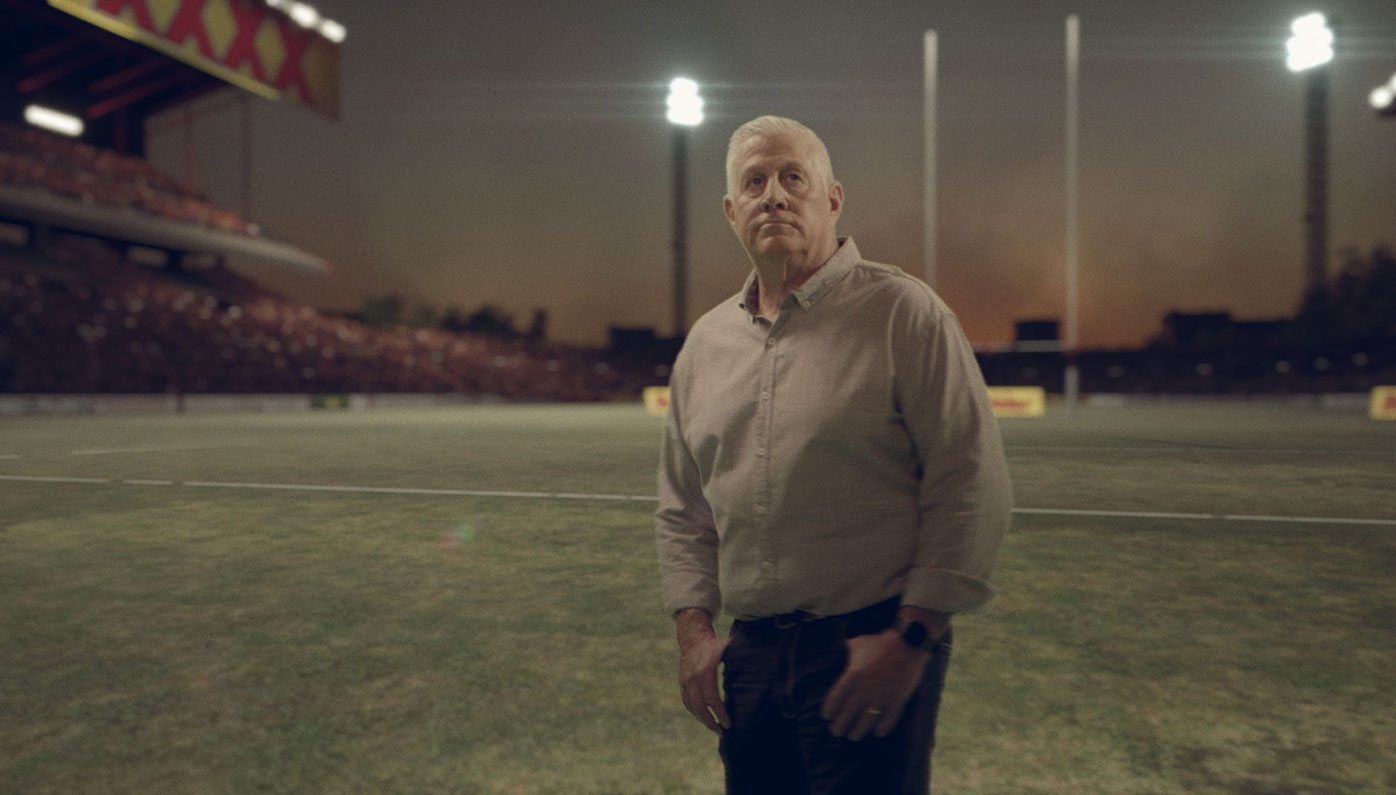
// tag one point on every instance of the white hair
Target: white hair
(765, 126)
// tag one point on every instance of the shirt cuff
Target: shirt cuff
(677, 599)
(946, 591)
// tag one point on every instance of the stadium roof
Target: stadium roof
(60, 61)
(114, 63)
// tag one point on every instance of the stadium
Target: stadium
(251, 543)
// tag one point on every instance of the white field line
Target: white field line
(52, 479)
(562, 495)
(1128, 514)
(8, 456)
(169, 448)
(1052, 448)
(1225, 517)
(527, 495)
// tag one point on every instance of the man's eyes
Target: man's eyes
(758, 181)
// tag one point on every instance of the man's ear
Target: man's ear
(836, 199)
(729, 210)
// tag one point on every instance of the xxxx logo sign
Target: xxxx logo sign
(241, 41)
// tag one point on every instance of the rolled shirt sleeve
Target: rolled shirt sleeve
(965, 498)
(684, 529)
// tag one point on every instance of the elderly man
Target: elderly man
(832, 475)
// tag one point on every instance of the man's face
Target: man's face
(781, 208)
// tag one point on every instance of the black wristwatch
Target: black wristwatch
(917, 636)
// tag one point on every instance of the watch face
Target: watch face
(915, 634)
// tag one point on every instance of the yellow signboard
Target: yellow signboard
(1384, 403)
(657, 400)
(1018, 401)
(245, 43)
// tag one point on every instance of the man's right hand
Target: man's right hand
(700, 654)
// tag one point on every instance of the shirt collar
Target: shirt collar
(816, 286)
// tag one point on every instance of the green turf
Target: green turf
(174, 638)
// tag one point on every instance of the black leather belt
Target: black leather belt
(870, 619)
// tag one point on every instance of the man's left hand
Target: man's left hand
(881, 675)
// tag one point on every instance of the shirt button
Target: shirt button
(805, 304)
(767, 565)
(770, 340)
(765, 395)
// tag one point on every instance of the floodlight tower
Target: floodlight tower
(1310, 50)
(685, 112)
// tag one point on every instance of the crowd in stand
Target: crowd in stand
(89, 322)
(76, 170)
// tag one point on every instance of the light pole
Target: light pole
(1071, 378)
(1309, 51)
(928, 157)
(685, 112)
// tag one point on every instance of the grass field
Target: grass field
(391, 602)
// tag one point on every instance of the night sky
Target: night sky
(517, 153)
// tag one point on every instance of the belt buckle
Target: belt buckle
(788, 620)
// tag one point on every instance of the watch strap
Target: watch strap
(916, 635)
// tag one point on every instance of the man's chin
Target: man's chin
(768, 243)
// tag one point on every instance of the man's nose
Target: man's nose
(775, 197)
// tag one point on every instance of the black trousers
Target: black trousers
(776, 674)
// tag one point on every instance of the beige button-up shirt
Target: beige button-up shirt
(841, 455)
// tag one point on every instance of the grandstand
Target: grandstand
(85, 320)
(97, 300)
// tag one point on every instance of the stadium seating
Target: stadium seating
(32, 157)
(86, 321)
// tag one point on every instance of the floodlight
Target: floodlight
(1309, 24)
(685, 106)
(304, 15)
(332, 30)
(54, 120)
(1381, 97)
(1312, 43)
